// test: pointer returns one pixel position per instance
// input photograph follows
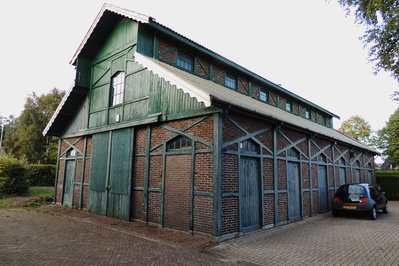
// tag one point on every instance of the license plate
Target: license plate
(349, 207)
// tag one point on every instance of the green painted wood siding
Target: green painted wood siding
(145, 94)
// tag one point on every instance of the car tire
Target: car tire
(385, 209)
(335, 213)
(373, 213)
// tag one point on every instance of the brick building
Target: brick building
(160, 129)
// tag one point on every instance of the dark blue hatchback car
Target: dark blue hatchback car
(362, 198)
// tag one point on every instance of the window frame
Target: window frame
(179, 143)
(308, 114)
(184, 56)
(232, 78)
(120, 94)
(289, 102)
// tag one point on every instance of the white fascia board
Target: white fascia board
(180, 83)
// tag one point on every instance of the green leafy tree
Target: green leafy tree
(388, 139)
(382, 34)
(358, 128)
(24, 138)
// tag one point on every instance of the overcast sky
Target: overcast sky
(309, 47)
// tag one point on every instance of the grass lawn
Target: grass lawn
(35, 197)
(41, 192)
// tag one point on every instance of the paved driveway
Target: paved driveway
(321, 240)
(70, 237)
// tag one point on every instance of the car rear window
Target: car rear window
(351, 189)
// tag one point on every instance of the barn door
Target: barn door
(110, 174)
(118, 186)
(342, 176)
(294, 209)
(249, 194)
(68, 185)
(323, 198)
(98, 173)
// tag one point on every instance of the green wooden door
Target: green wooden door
(98, 173)
(323, 188)
(110, 175)
(120, 174)
(68, 182)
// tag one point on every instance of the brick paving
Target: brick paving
(57, 236)
(321, 240)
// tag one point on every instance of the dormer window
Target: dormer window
(288, 106)
(264, 96)
(184, 61)
(117, 88)
(230, 81)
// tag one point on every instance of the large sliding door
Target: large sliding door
(294, 199)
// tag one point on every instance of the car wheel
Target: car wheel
(373, 213)
(385, 209)
(335, 213)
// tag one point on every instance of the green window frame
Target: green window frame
(230, 81)
(117, 88)
(185, 61)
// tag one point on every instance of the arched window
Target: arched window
(342, 161)
(357, 163)
(178, 143)
(249, 146)
(117, 88)
(71, 152)
(292, 153)
(322, 158)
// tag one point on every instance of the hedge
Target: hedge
(389, 182)
(12, 176)
(41, 175)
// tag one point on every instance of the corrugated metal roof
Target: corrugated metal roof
(189, 82)
(151, 21)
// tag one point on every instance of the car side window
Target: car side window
(373, 193)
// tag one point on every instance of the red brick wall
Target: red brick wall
(203, 216)
(177, 177)
(230, 218)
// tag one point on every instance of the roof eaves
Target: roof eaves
(230, 63)
(58, 110)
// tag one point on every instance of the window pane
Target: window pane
(230, 81)
(185, 61)
(118, 85)
(264, 96)
(307, 114)
(288, 106)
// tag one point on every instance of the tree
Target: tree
(382, 34)
(388, 140)
(358, 128)
(23, 137)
